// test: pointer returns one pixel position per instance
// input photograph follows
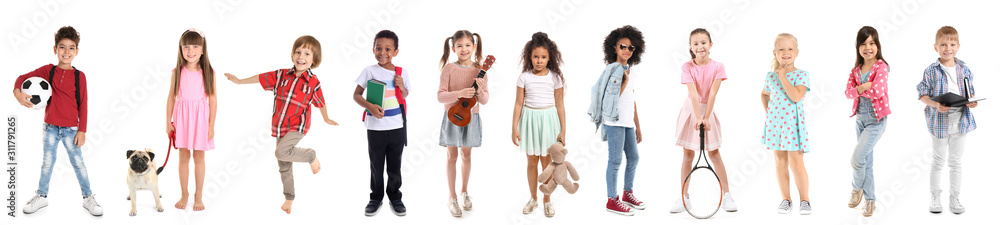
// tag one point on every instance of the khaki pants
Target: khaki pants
(286, 153)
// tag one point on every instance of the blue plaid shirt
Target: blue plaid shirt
(935, 83)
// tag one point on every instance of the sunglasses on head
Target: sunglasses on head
(630, 48)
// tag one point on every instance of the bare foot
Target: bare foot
(198, 205)
(182, 204)
(314, 165)
(287, 207)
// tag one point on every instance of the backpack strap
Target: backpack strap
(79, 105)
(402, 104)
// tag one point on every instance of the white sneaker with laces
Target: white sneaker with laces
(935, 206)
(466, 201)
(679, 206)
(35, 204)
(728, 203)
(955, 206)
(91, 205)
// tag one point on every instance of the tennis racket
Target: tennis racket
(702, 186)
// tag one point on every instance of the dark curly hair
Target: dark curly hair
(540, 39)
(630, 32)
(387, 34)
(68, 32)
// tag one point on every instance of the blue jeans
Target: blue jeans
(52, 135)
(869, 131)
(621, 139)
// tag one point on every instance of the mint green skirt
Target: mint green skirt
(539, 129)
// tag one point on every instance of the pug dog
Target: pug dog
(142, 175)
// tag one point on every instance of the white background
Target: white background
(128, 48)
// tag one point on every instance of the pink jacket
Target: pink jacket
(879, 92)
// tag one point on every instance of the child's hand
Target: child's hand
(972, 104)
(376, 111)
(864, 87)
(638, 135)
(399, 81)
(467, 93)
(170, 127)
(331, 122)
(81, 137)
(482, 83)
(515, 137)
(232, 78)
(702, 122)
(561, 138)
(211, 133)
(23, 98)
(942, 108)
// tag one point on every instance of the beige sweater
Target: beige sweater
(455, 78)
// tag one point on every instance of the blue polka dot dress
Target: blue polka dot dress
(785, 127)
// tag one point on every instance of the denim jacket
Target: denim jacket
(604, 96)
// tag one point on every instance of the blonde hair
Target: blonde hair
(946, 32)
(774, 62)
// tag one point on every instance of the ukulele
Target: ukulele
(461, 113)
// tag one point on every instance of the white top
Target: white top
(376, 72)
(951, 73)
(539, 91)
(626, 105)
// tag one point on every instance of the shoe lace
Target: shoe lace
(631, 198)
(90, 201)
(34, 199)
(621, 206)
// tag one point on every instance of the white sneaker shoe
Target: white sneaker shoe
(728, 203)
(466, 201)
(955, 206)
(679, 206)
(35, 204)
(454, 208)
(935, 206)
(91, 205)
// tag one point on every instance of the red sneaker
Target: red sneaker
(618, 207)
(630, 200)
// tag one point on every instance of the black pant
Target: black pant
(385, 151)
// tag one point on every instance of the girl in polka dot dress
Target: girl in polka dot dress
(785, 127)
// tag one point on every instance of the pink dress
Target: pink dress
(702, 77)
(191, 113)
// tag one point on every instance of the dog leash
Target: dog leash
(172, 136)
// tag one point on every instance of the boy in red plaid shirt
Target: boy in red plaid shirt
(294, 90)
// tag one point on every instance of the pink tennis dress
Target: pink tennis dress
(191, 113)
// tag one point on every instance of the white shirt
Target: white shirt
(539, 91)
(626, 105)
(952, 74)
(376, 72)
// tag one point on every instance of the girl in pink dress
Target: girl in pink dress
(191, 111)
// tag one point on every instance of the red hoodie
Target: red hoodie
(62, 110)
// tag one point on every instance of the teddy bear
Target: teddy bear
(557, 170)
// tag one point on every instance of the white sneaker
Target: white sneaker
(454, 208)
(785, 206)
(728, 203)
(805, 208)
(91, 205)
(35, 204)
(466, 201)
(549, 210)
(935, 206)
(530, 207)
(679, 206)
(955, 206)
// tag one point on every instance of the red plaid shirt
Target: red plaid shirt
(292, 96)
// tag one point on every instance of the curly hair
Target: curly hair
(630, 32)
(541, 40)
(387, 34)
(68, 32)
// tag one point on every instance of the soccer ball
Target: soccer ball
(39, 90)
